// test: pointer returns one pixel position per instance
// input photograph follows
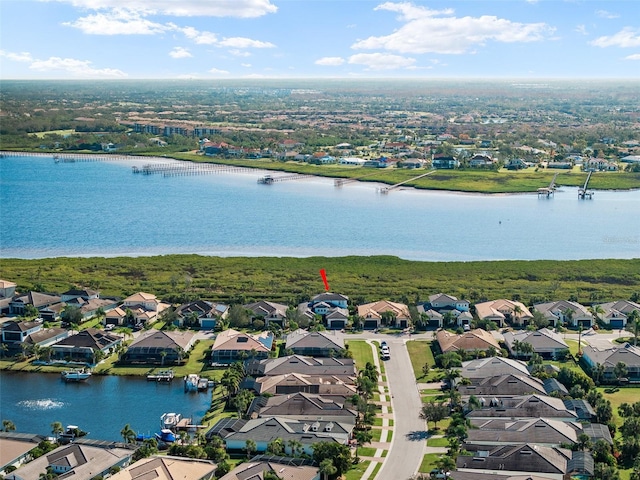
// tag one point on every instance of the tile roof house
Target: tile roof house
(201, 314)
(168, 468)
(493, 366)
(339, 367)
(77, 461)
(231, 346)
(146, 307)
(315, 344)
(523, 458)
(615, 314)
(524, 406)
(627, 354)
(477, 339)
(159, 347)
(503, 310)
(303, 406)
(83, 345)
(564, 311)
(503, 385)
(545, 342)
(541, 431)
(396, 314)
(263, 430)
(269, 312)
(285, 468)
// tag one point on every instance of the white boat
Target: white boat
(191, 382)
(170, 420)
(76, 375)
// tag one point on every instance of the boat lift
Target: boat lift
(583, 193)
(550, 190)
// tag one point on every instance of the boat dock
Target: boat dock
(339, 182)
(161, 376)
(187, 168)
(386, 190)
(583, 192)
(269, 179)
(548, 191)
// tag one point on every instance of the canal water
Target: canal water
(102, 209)
(101, 406)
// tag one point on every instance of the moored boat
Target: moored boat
(75, 375)
(166, 436)
(191, 382)
(170, 420)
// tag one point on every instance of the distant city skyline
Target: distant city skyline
(209, 39)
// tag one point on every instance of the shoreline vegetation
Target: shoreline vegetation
(478, 181)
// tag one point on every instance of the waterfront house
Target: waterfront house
(627, 354)
(14, 332)
(47, 336)
(283, 467)
(481, 161)
(384, 312)
(315, 344)
(235, 432)
(269, 312)
(84, 345)
(77, 461)
(159, 347)
(343, 368)
(200, 314)
(546, 343)
(444, 162)
(615, 314)
(565, 311)
(168, 468)
(231, 346)
(15, 449)
(303, 406)
(474, 340)
(503, 310)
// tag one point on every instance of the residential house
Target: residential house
(117, 316)
(493, 367)
(448, 305)
(474, 340)
(481, 161)
(231, 346)
(548, 462)
(283, 467)
(546, 343)
(47, 336)
(48, 306)
(332, 307)
(503, 385)
(269, 312)
(17, 332)
(201, 314)
(159, 347)
(433, 318)
(84, 293)
(289, 383)
(145, 306)
(15, 449)
(582, 409)
(503, 310)
(337, 318)
(289, 144)
(444, 162)
(168, 468)
(541, 431)
(7, 289)
(315, 344)
(88, 301)
(77, 461)
(523, 406)
(565, 311)
(344, 368)
(303, 406)
(627, 354)
(615, 314)
(84, 345)
(384, 312)
(235, 432)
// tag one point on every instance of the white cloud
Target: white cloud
(180, 52)
(201, 38)
(581, 29)
(381, 61)
(76, 68)
(242, 42)
(239, 53)
(184, 8)
(117, 22)
(217, 71)
(246, 65)
(605, 14)
(330, 61)
(635, 56)
(627, 37)
(428, 31)
(17, 57)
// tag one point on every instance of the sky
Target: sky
(204, 39)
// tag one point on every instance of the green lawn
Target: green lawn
(420, 353)
(429, 462)
(375, 434)
(623, 395)
(366, 451)
(362, 352)
(437, 442)
(356, 471)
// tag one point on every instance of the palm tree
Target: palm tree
(3, 349)
(56, 429)
(295, 446)
(363, 437)
(517, 313)
(596, 311)
(163, 354)
(446, 464)
(327, 468)
(633, 325)
(516, 345)
(8, 426)
(620, 371)
(250, 446)
(127, 434)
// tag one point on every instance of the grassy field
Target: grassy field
(429, 462)
(623, 395)
(362, 352)
(356, 471)
(53, 132)
(437, 442)
(292, 280)
(420, 353)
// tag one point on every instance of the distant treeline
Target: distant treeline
(178, 278)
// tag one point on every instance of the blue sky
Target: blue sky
(111, 39)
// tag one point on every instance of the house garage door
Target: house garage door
(617, 324)
(370, 324)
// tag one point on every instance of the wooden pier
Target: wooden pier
(583, 193)
(385, 190)
(184, 168)
(269, 179)
(550, 190)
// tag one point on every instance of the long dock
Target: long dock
(550, 190)
(583, 192)
(386, 190)
(339, 182)
(270, 179)
(182, 168)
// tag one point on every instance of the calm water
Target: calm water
(101, 208)
(101, 406)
